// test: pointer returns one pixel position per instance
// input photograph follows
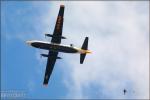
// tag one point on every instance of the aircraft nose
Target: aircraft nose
(29, 42)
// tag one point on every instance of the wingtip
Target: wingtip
(62, 6)
(45, 85)
(81, 62)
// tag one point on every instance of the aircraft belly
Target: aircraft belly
(41, 45)
(66, 49)
(57, 48)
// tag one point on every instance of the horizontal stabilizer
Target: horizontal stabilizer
(85, 44)
(82, 57)
(84, 47)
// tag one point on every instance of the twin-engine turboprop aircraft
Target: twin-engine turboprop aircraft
(54, 47)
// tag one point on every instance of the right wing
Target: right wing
(57, 34)
(52, 56)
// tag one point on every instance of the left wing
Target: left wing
(52, 56)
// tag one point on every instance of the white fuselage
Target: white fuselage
(56, 47)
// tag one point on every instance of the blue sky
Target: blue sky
(119, 39)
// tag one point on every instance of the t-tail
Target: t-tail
(85, 48)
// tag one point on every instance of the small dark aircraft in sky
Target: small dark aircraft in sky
(55, 47)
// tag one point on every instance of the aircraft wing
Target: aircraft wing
(52, 56)
(56, 38)
(57, 34)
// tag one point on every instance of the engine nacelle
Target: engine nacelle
(50, 35)
(59, 58)
(44, 55)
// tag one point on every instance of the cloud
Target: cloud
(118, 34)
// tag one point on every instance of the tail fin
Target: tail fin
(85, 47)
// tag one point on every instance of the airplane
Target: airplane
(55, 47)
